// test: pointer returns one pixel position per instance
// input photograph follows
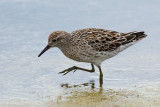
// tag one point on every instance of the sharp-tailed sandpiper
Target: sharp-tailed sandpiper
(91, 45)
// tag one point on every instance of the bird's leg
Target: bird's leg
(101, 76)
(76, 68)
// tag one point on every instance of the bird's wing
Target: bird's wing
(106, 40)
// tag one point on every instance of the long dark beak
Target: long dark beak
(44, 50)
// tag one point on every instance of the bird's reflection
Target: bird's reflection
(90, 83)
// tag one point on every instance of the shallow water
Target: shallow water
(132, 78)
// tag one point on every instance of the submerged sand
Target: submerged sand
(94, 97)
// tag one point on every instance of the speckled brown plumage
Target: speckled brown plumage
(91, 45)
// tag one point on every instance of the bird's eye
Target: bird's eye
(54, 40)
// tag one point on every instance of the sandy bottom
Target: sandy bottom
(108, 98)
(91, 97)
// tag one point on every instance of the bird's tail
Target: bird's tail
(133, 37)
(139, 35)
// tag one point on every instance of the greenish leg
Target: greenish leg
(101, 76)
(77, 68)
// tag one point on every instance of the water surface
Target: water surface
(133, 76)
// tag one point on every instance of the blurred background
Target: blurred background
(132, 77)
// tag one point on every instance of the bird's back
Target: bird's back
(106, 40)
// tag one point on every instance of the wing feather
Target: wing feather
(106, 40)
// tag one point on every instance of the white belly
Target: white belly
(97, 58)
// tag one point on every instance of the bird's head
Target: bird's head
(54, 39)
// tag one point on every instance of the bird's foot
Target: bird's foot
(74, 68)
(68, 70)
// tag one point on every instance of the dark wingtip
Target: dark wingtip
(134, 36)
(140, 35)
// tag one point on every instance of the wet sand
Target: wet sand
(89, 96)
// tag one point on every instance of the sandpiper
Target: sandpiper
(91, 45)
